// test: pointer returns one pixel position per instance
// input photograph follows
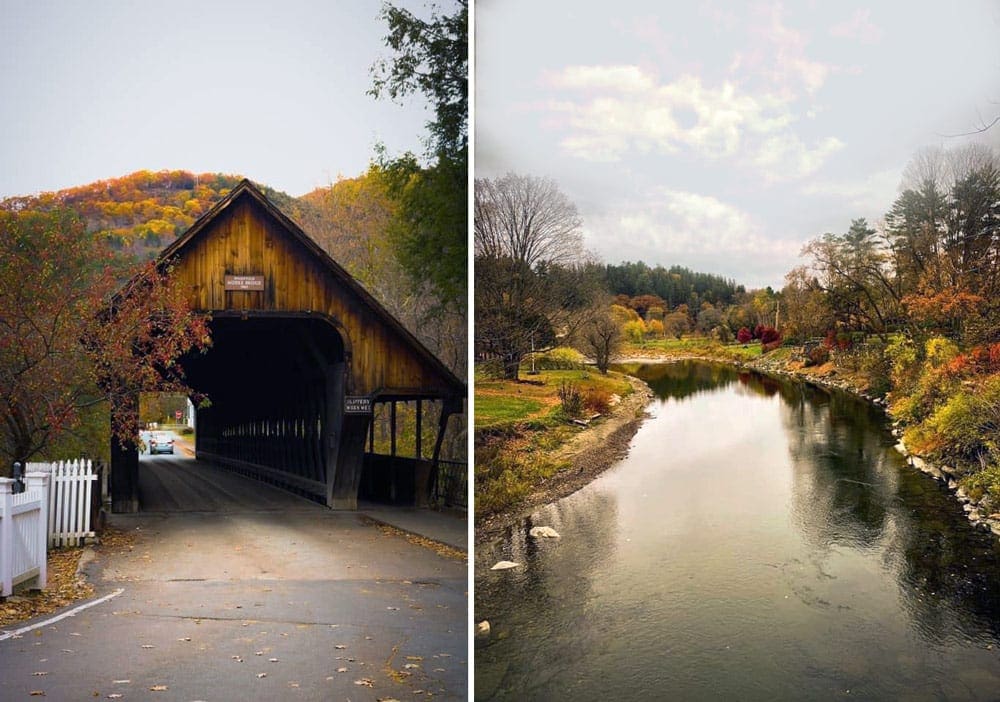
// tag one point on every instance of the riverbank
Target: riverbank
(979, 512)
(586, 455)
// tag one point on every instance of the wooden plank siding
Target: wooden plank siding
(246, 235)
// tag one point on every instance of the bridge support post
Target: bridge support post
(125, 462)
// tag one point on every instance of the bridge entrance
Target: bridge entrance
(301, 354)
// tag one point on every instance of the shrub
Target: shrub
(818, 355)
(492, 369)
(904, 362)
(771, 346)
(744, 336)
(571, 399)
(635, 331)
(964, 427)
(559, 358)
(768, 335)
(597, 401)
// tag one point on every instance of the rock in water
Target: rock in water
(505, 565)
(543, 532)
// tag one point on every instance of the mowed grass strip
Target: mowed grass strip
(535, 397)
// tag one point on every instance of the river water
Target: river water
(761, 541)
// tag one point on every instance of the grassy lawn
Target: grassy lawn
(519, 426)
(698, 346)
(535, 397)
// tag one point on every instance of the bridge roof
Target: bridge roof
(245, 257)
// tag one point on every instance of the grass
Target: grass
(535, 398)
(694, 346)
(519, 427)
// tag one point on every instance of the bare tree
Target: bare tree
(532, 282)
(601, 337)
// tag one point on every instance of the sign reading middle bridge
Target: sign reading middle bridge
(244, 282)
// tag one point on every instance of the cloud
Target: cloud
(778, 56)
(859, 27)
(614, 78)
(623, 108)
(786, 157)
(674, 226)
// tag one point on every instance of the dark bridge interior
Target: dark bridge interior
(270, 381)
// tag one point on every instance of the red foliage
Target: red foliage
(744, 336)
(66, 340)
(768, 335)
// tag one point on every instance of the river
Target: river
(761, 541)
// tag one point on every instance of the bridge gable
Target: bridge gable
(246, 258)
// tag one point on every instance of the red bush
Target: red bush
(744, 336)
(768, 335)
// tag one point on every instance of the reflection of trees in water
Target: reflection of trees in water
(681, 379)
(851, 489)
(840, 484)
(545, 600)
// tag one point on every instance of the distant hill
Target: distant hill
(145, 211)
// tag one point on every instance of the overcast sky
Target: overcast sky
(274, 91)
(724, 135)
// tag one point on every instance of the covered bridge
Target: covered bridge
(300, 355)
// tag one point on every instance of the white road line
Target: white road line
(23, 630)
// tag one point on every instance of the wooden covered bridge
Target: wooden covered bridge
(300, 355)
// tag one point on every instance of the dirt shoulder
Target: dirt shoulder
(589, 453)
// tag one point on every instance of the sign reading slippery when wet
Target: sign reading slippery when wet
(361, 404)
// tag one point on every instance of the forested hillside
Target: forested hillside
(144, 211)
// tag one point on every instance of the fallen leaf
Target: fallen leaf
(261, 675)
(115, 696)
(148, 646)
(411, 666)
(272, 660)
(37, 693)
(186, 638)
(41, 672)
(340, 646)
(126, 681)
(158, 688)
(341, 670)
(365, 682)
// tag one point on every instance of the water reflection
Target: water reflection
(761, 541)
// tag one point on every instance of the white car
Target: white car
(161, 442)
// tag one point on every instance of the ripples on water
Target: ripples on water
(761, 541)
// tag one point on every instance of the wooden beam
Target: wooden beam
(420, 424)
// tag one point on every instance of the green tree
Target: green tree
(431, 58)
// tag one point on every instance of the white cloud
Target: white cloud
(675, 226)
(624, 108)
(615, 78)
(859, 27)
(786, 157)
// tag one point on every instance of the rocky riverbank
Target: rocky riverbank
(981, 513)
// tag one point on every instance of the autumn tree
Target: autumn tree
(600, 336)
(71, 337)
(531, 281)
(854, 271)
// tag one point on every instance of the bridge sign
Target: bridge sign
(354, 404)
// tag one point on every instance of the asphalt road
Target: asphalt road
(234, 590)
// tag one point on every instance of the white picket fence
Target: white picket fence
(23, 532)
(70, 490)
